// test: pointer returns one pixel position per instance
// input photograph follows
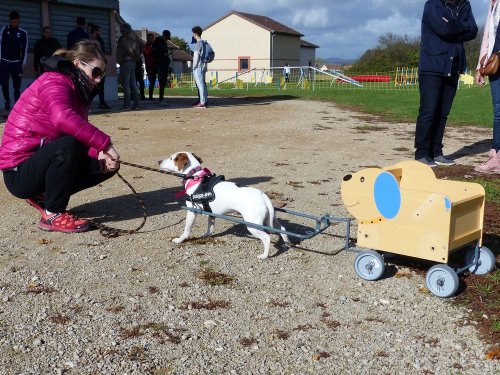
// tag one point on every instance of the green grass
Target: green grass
(491, 187)
(472, 105)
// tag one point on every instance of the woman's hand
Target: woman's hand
(479, 79)
(110, 159)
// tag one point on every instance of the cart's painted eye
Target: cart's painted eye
(362, 179)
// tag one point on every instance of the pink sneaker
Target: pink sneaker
(492, 165)
(63, 222)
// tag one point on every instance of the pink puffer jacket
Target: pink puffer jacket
(48, 109)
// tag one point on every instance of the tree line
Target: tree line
(401, 51)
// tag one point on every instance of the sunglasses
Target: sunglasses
(96, 71)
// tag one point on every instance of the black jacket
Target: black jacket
(159, 51)
(13, 45)
(445, 27)
(75, 36)
(44, 47)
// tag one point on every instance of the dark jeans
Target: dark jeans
(436, 97)
(100, 87)
(495, 96)
(57, 170)
(15, 71)
(151, 72)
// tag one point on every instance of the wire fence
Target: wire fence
(306, 78)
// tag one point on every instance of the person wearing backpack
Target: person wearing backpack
(199, 67)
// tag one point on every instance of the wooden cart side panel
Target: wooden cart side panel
(466, 221)
(421, 228)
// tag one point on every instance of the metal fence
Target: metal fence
(307, 78)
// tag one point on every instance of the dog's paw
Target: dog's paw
(262, 256)
(177, 240)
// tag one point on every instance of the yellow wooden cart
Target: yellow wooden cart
(404, 209)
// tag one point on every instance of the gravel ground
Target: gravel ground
(139, 304)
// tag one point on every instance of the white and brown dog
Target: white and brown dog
(253, 205)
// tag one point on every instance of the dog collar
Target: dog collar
(191, 173)
(193, 179)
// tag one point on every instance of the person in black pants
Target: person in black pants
(161, 55)
(446, 25)
(13, 53)
(46, 157)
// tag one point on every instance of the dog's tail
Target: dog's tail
(270, 210)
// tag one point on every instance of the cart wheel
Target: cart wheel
(442, 280)
(369, 265)
(486, 262)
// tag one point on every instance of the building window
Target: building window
(243, 63)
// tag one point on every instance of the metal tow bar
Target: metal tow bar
(322, 223)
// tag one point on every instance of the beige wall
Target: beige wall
(235, 37)
(307, 55)
(286, 50)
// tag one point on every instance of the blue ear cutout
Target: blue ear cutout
(447, 203)
(387, 195)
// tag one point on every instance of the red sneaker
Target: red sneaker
(63, 222)
(199, 105)
(37, 202)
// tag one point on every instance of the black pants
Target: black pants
(14, 70)
(57, 170)
(162, 80)
(151, 72)
(436, 97)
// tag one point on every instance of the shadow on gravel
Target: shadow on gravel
(174, 102)
(474, 149)
(240, 230)
(157, 202)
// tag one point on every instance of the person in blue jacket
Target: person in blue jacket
(13, 54)
(78, 33)
(446, 25)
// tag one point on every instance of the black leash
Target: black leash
(110, 232)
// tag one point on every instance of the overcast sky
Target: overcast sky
(342, 28)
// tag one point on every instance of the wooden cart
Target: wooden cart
(404, 209)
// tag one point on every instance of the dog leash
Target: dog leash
(157, 170)
(110, 232)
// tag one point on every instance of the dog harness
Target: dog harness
(199, 187)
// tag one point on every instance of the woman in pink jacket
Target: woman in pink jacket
(49, 150)
(489, 45)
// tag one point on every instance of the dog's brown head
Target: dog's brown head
(181, 162)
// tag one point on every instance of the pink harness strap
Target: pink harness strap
(191, 183)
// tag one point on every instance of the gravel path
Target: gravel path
(138, 304)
